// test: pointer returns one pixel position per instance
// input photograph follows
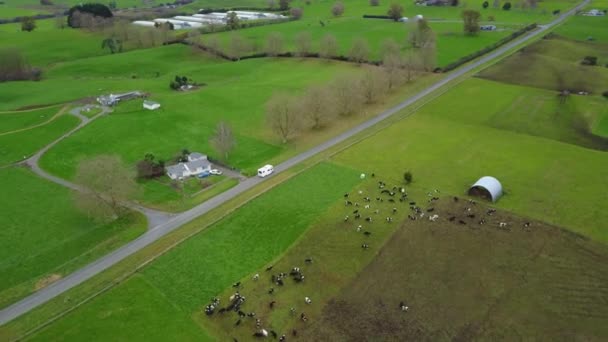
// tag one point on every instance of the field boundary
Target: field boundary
(55, 116)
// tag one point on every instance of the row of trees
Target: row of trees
(288, 115)
(421, 37)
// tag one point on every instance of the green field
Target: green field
(472, 283)
(581, 27)
(45, 235)
(555, 64)
(199, 268)
(18, 146)
(11, 121)
(544, 179)
(451, 42)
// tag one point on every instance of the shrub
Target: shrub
(96, 10)
(605, 94)
(46, 2)
(589, 60)
(408, 177)
(28, 24)
(485, 4)
(374, 2)
(337, 9)
(506, 6)
(296, 13)
(491, 18)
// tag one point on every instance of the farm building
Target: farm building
(113, 99)
(151, 105)
(197, 164)
(487, 187)
(594, 13)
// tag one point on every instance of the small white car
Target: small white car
(215, 172)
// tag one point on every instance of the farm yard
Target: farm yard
(372, 238)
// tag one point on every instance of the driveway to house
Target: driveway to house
(87, 272)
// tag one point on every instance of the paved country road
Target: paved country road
(155, 233)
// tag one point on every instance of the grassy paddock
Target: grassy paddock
(472, 282)
(18, 146)
(48, 237)
(193, 279)
(17, 120)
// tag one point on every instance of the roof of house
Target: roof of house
(492, 185)
(177, 169)
(193, 165)
(196, 156)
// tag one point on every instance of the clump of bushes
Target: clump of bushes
(589, 60)
(605, 94)
(182, 83)
(149, 167)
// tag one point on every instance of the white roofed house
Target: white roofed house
(197, 163)
(151, 105)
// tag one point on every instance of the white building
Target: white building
(594, 13)
(197, 164)
(151, 105)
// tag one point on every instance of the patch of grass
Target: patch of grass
(582, 27)
(554, 64)
(111, 316)
(525, 110)
(10, 121)
(499, 284)
(48, 44)
(17, 146)
(451, 42)
(46, 235)
(162, 196)
(203, 265)
(601, 128)
(544, 179)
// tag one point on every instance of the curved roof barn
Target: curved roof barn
(487, 187)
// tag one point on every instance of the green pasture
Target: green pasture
(555, 64)
(45, 235)
(450, 149)
(161, 194)
(17, 120)
(525, 110)
(451, 41)
(234, 92)
(582, 28)
(48, 44)
(320, 9)
(15, 147)
(134, 311)
(199, 268)
(472, 282)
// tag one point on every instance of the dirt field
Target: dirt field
(469, 281)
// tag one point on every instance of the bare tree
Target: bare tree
(393, 65)
(389, 47)
(237, 46)
(359, 51)
(395, 11)
(374, 2)
(337, 9)
(318, 106)
(420, 34)
(282, 116)
(274, 44)
(496, 4)
(374, 85)
(411, 64)
(223, 140)
(471, 21)
(346, 92)
(328, 47)
(107, 183)
(60, 21)
(296, 12)
(232, 20)
(303, 44)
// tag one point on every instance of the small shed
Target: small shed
(151, 105)
(487, 187)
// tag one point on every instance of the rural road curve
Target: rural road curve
(87, 272)
(154, 217)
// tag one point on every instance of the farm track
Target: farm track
(42, 296)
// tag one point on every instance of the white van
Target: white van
(265, 170)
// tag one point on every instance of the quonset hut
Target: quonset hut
(487, 187)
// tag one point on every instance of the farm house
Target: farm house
(486, 187)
